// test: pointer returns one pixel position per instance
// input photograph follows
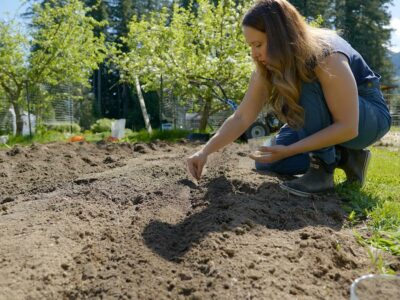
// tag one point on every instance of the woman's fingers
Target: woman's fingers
(270, 154)
(262, 157)
(198, 172)
(192, 169)
(266, 149)
(196, 163)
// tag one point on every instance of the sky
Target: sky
(395, 24)
(12, 8)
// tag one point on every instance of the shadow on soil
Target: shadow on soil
(237, 206)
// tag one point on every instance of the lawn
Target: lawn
(378, 203)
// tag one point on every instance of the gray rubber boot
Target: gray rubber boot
(354, 163)
(318, 179)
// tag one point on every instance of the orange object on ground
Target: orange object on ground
(77, 138)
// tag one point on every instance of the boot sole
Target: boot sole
(303, 194)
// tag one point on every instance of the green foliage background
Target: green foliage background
(69, 47)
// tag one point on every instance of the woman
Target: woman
(320, 87)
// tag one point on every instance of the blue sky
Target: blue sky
(11, 8)
(395, 24)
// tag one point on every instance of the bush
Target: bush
(168, 135)
(101, 125)
(74, 128)
(128, 132)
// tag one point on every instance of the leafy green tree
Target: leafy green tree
(115, 99)
(122, 12)
(65, 51)
(13, 71)
(195, 54)
(99, 10)
(365, 24)
(311, 9)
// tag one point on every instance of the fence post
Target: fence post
(71, 107)
(99, 91)
(29, 108)
(161, 100)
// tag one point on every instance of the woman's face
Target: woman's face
(257, 40)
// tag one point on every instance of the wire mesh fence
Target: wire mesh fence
(7, 117)
(393, 101)
(68, 108)
(44, 106)
(182, 115)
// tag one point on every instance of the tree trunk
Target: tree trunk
(17, 109)
(125, 99)
(205, 115)
(18, 118)
(143, 106)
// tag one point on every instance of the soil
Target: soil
(391, 139)
(122, 221)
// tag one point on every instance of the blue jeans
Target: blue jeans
(374, 123)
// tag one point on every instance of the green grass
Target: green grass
(47, 137)
(140, 136)
(167, 135)
(395, 128)
(95, 137)
(378, 202)
(132, 137)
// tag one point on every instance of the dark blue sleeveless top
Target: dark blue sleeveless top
(361, 71)
(366, 79)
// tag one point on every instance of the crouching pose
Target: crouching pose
(320, 87)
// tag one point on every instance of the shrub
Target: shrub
(101, 125)
(74, 128)
(128, 132)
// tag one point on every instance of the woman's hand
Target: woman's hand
(270, 154)
(196, 163)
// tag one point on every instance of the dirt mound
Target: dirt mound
(121, 221)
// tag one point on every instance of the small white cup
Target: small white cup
(3, 139)
(375, 287)
(256, 143)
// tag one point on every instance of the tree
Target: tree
(115, 99)
(13, 72)
(122, 12)
(311, 9)
(195, 53)
(65, 50)
(365, 24)
(99, 10)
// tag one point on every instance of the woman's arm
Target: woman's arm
(243, 117)
(340, 91)
(234, 126)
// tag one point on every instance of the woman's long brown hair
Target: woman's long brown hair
(293, 50)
